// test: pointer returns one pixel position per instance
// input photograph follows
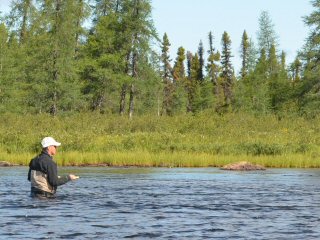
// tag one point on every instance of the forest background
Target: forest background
(112, 98)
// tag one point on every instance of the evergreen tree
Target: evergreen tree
(213, 66)
(103, 64)
(166, 78)
(308, 90)
(138, 30)
(266, 33)
(123, 31)
(178, 68)
(258, 87)
(295, 71)
(227, 74)
(179, 81)
(3, 47)
(191, 82)
(52, 50)
(279, 88)
(3, 65)
(252, 56)
(193, 86)
(201, 62)
(273, 65)
(244, 53)
(22, 15)
(106, 7)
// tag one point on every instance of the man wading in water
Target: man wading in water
(43, 171)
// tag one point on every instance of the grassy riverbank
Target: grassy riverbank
(182, 141)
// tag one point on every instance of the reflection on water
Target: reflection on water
(142, 203)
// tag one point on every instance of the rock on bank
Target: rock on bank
(243, 166)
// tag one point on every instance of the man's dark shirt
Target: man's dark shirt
(45, 164)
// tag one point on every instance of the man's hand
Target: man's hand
(73, 177)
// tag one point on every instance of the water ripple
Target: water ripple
(115, 203)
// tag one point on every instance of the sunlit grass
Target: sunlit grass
(181, 159)
(163, 159)
(205, 140)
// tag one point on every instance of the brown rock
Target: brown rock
(243, 166)
(6, 164)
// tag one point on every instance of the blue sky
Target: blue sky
(188, 21)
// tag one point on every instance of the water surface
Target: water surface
(184, 203)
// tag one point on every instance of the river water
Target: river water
(163, 203)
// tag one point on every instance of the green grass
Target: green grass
(205, 140)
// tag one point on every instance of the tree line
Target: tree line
(61, 56)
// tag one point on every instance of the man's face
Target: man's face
(52, 150)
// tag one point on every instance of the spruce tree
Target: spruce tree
(213, 67)
(227, 75)
(244, 53)
(190, 83)
(178, 68)
(179, 82)
(166, 77)
(201, 62)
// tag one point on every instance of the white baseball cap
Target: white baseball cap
(49, 141)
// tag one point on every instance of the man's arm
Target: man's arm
(53, 176)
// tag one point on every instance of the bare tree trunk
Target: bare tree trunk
(131, 104)
(134, 75)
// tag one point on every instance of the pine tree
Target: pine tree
(227, 74)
